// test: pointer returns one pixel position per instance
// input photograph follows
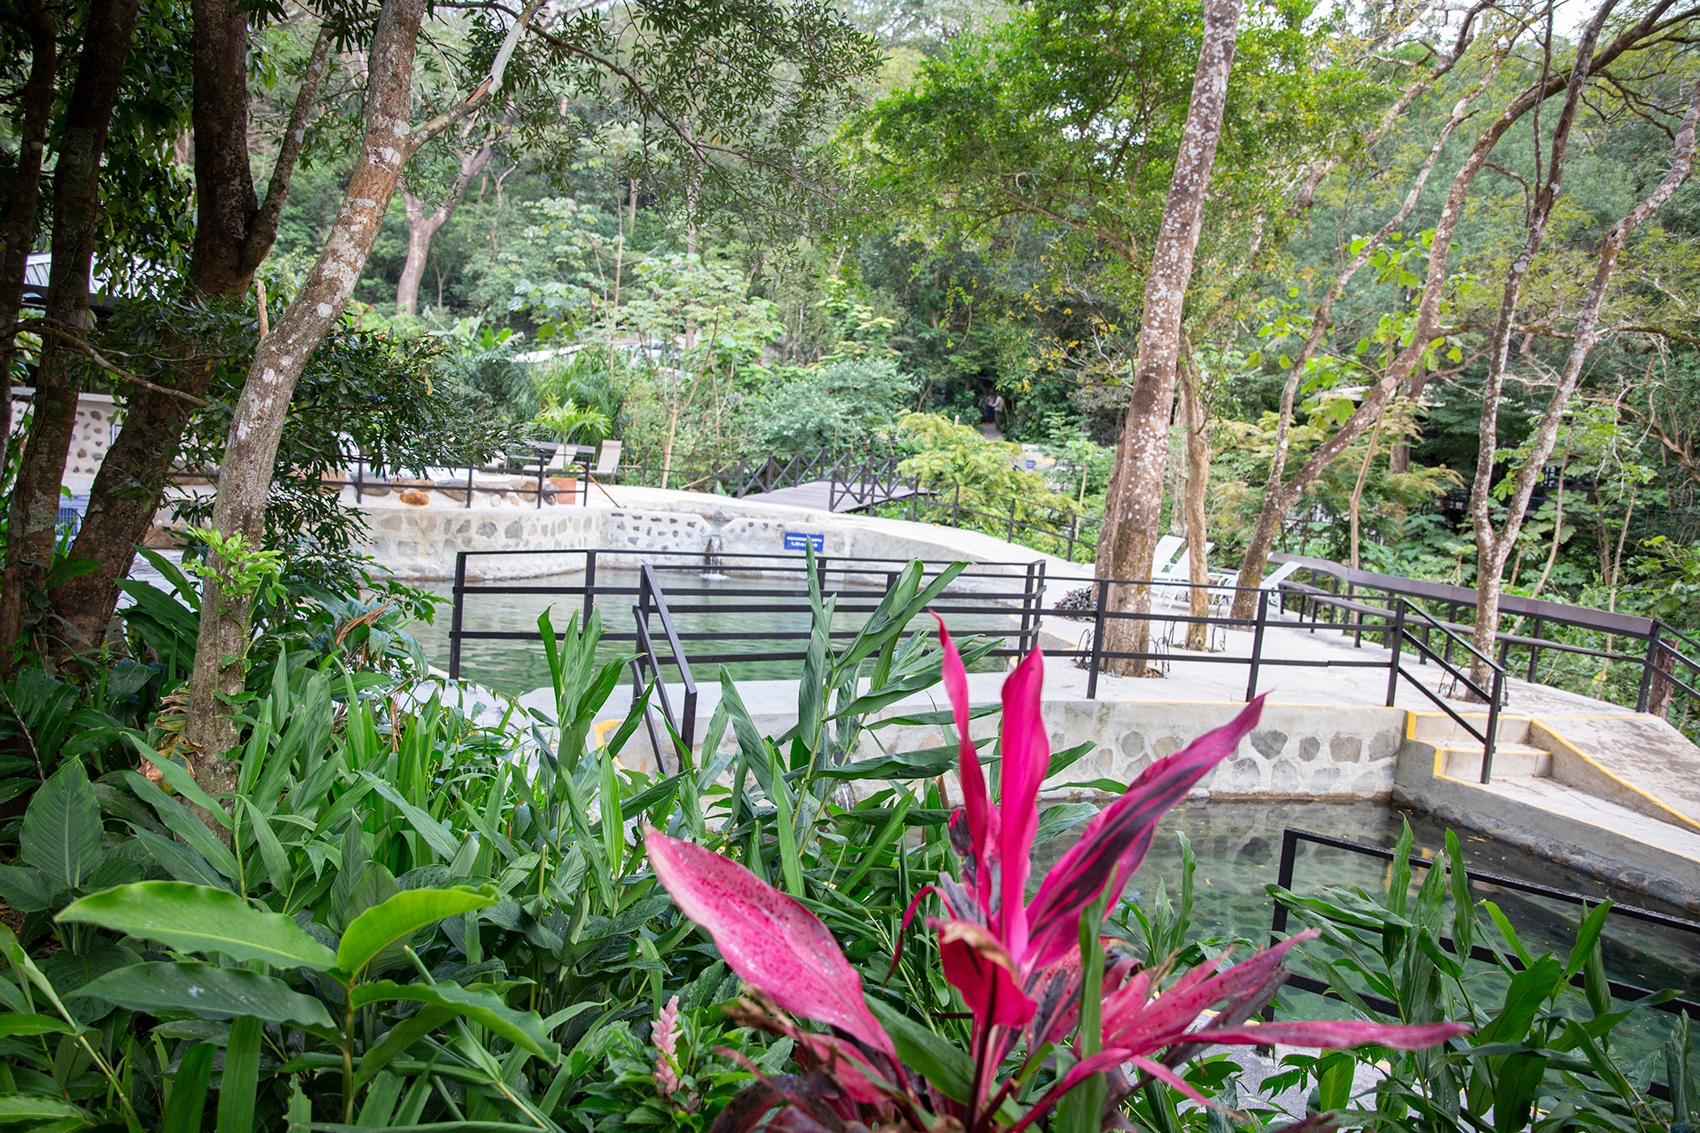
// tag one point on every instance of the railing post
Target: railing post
(1097, 639)
(1491, 739)
(1073, 527)
(542, 466)
(589, 587)
(455, 615)
(1535, 650)
(1013, 501)
(1395, 641)
(469, 481)
(1030, 604)
(956, 508)
(1643, 698)
(359, 474)
(1278, 918)
(1257, 643)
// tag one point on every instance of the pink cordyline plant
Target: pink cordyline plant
(1015, 962)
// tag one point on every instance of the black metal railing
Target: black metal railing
(681, 726)
(1014, 592)
(1493, 696)
(1291, 837)
(525, 471)
(1666, 663)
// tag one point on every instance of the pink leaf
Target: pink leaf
(1085, 1068)
(1331, 1033)
(974, 799)
(1026, 753)
(766, 937)
(1114, 842)
(977, 965)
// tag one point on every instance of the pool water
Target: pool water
(710, 613)
(1238, 850)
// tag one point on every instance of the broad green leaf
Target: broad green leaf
(19, 1024)
(239, 1084)
(24, 889)
(522, 1028)
(27, 1107)
(195, 918)
(189, 1091)
(184, 823)
(180, 861)
(61, 830)
(403, 915)
(942, 1063)
(209, 992)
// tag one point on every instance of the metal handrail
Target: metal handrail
(1291, 837)
(649, 591)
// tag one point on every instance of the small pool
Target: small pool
(709, 612)
(1238, 850)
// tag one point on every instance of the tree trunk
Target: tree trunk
(245, 472)
(1197, 490)
(233, 234)
(1494, 547)
(1356, 503)
(35, 113)
(1279, 500)
(76, 214)
(1133, 508)
(1587, 335)
(421, 229)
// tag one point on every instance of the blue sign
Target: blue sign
(800, 540)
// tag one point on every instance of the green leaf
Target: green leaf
(27, 1107)
(522, 1028)
(1515, 1088)
(189, 1091)
(177, 777)
(180, 861)
(195, 918)
(403, 915)
(438, 836)
(24, 889)
(941, 1062)
(61, 831)
(19, 1024)
(240, 1083)
(209, 992)
(1586, 937)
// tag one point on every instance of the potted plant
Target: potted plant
(572, 424)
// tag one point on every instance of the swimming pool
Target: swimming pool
(1238, 846)
(709, 611)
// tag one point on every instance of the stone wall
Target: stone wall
(91, 436)
(419, 541)
(1341, 752)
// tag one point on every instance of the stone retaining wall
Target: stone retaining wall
(421, 542)
(1341, 752)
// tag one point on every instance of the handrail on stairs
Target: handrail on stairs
(1493, 696)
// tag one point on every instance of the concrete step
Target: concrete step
(1519, 760)
(1442, 730)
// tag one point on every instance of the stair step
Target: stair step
(1440, 729)
(1460, 761)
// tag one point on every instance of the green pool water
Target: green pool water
(1238, 850)
(709, 613)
